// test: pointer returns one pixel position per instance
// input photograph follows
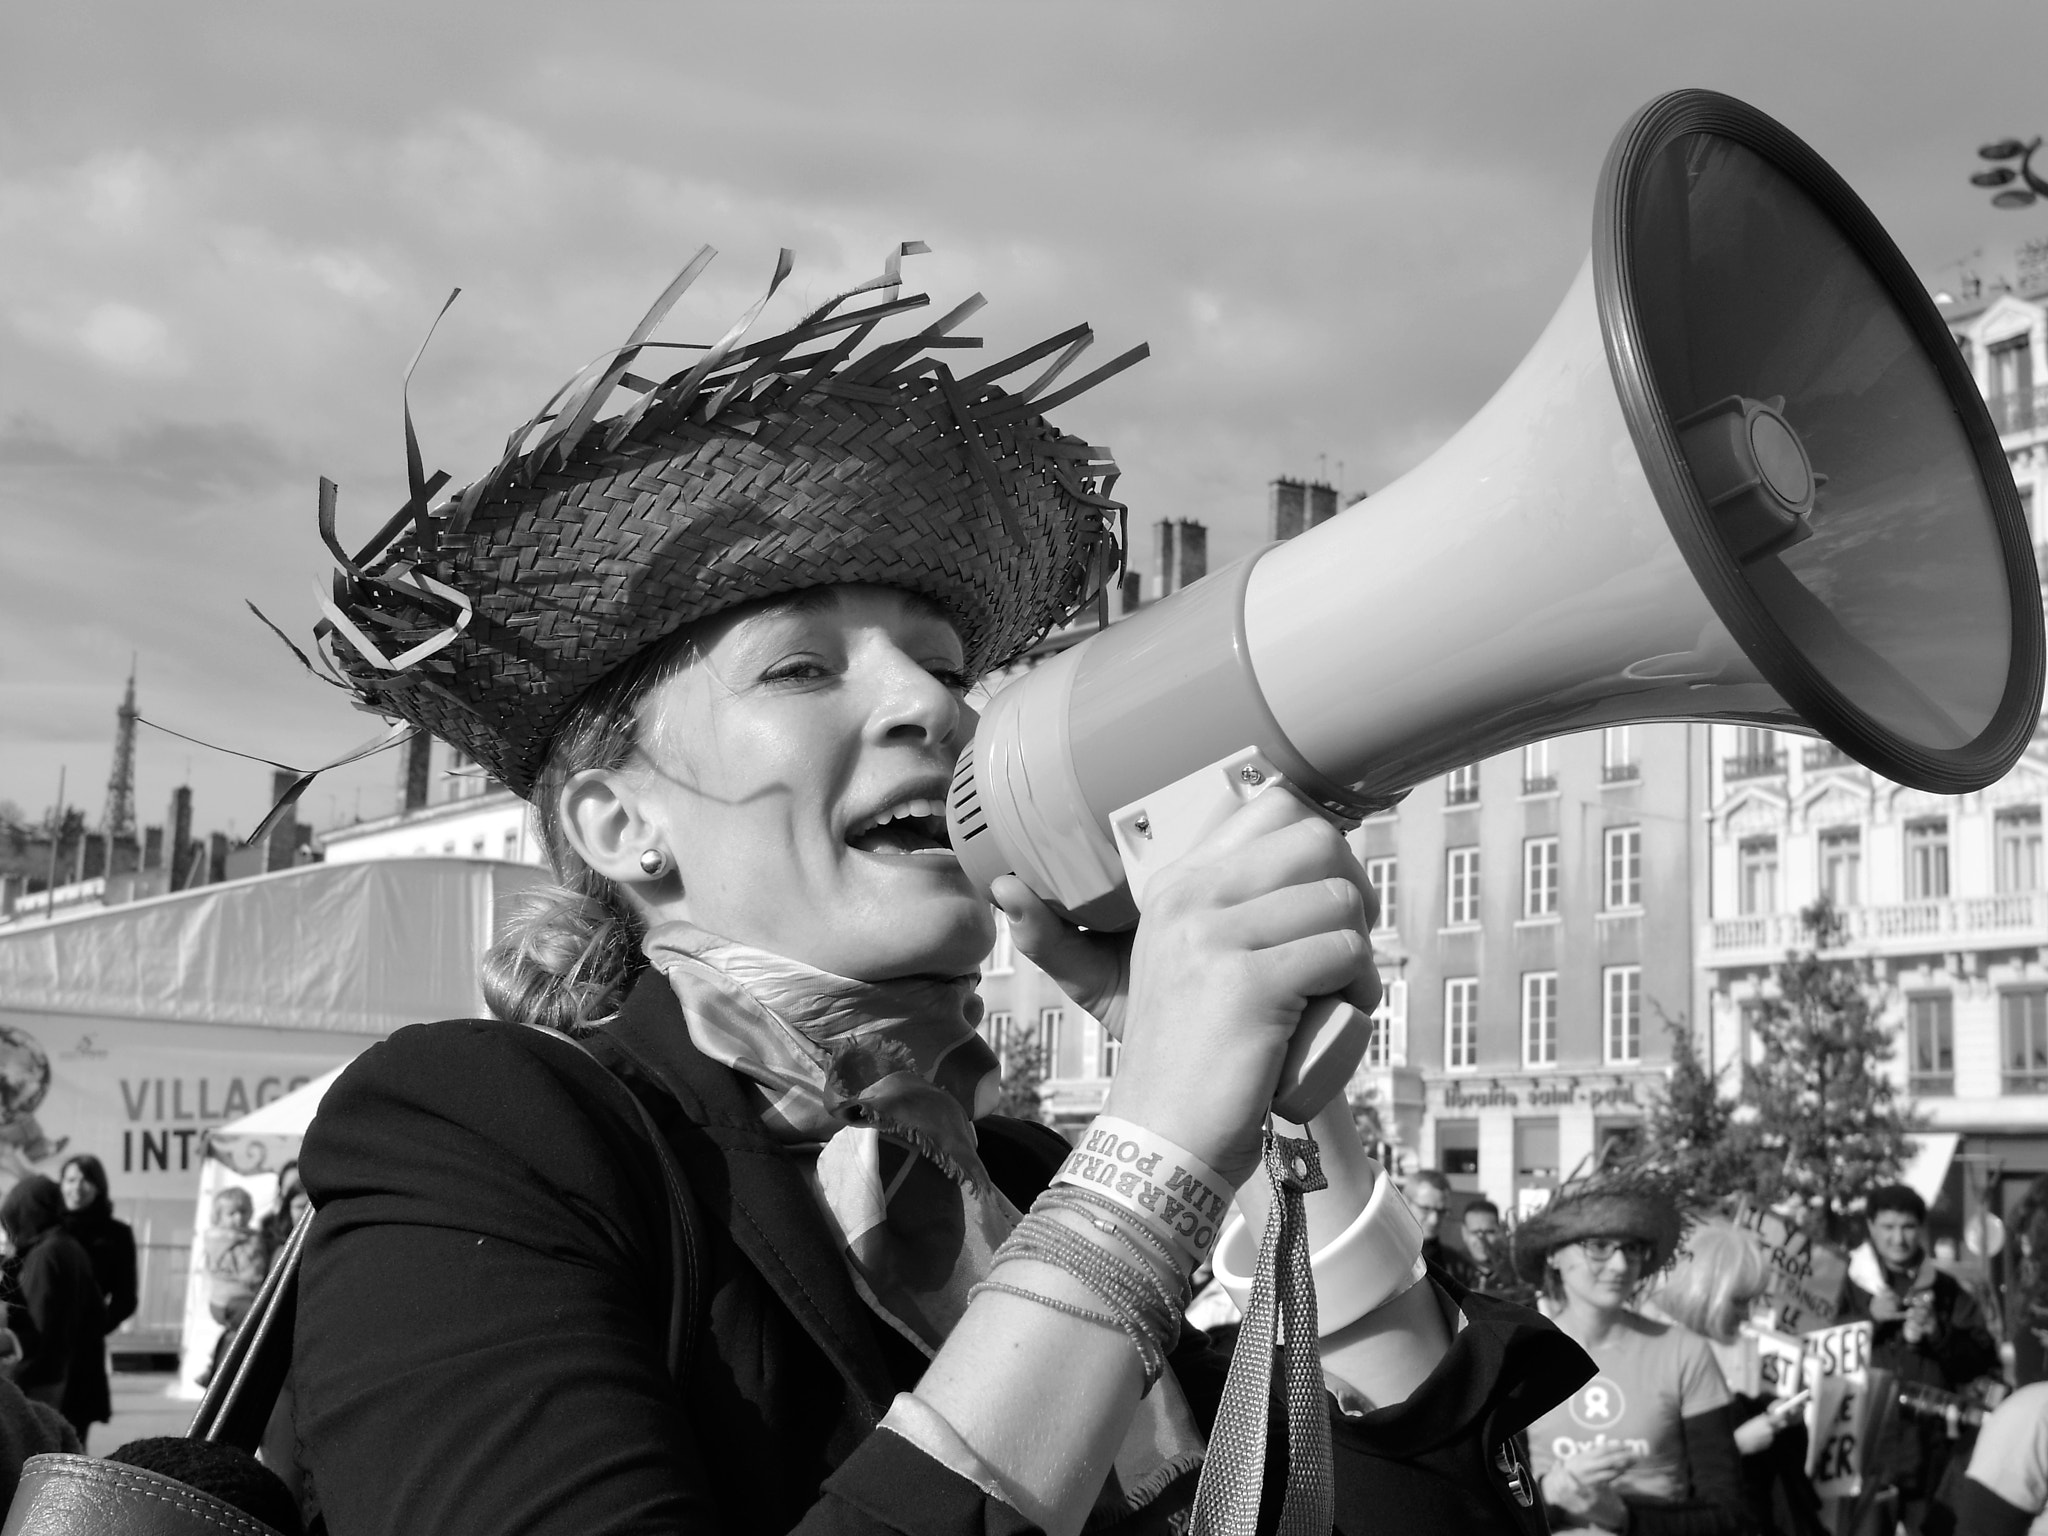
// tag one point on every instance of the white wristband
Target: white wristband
(1165, 1186)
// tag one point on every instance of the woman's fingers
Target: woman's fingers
(1091, 968)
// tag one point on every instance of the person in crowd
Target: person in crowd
(1429, 1196)
(109, 1243)
(286, 1207)
(62, 1318)
(1486, 1246)
(235, 1263)
(1648, 1445)
(1709, 1289)
(1929, 1331)
(723, 643)
(2027, 1290)
(2005, 1490)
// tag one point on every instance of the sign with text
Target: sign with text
(1804, 1291)
(1837, 1365)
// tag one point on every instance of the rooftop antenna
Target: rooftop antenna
(118, 820)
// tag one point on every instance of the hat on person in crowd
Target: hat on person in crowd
(1639, 1206)
(761, 467)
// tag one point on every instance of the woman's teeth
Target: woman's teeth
(915, 826)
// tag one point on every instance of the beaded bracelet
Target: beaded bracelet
(1151, 1359)
(1100, 1212)
(1135, 1293)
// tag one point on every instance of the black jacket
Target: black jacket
(63, 1343)
(481, 1322)
(110, 1244)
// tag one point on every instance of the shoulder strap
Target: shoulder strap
(252, 1372)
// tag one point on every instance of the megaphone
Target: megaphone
(1743, 475)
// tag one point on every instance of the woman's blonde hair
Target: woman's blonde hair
(1710, 1286)
(568, 951)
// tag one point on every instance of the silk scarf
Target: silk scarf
(875, 1087)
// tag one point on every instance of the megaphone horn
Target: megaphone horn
(1743, 475)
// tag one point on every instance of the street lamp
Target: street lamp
(2002, 176)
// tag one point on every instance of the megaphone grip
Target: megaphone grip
(1327, 1047)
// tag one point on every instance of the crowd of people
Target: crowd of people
(1680, 1431)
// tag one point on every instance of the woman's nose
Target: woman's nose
(913, 704)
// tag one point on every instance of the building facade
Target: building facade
(1534, 937)
(448, 806)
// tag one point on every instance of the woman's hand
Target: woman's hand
(1269, 911)
(1754, 1435)
(1583, 1487)
(1094, 969)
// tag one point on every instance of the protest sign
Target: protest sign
(1805, 1286)
(1837, 1367)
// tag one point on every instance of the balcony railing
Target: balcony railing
(1904, 927)
(2021, 411)
(1461, 794)
(1824, 755)
(1620, 773)
(1932, 1085)
(1757, 766)
(1538, 784)
(2024, 1082)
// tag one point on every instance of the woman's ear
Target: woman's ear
(606, 820)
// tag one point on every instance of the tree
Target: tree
(1690, 1134)
(1023, 1071)
(1825, 1121)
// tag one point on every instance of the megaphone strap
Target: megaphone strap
(1233, 1473)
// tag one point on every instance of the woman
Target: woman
(110, 1244)
(1709, 1290)
(286, 1207)
(723, 645)
(62, 1318)
(1647, 1445)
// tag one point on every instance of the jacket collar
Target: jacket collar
(1874, 1275)
(744, 1180)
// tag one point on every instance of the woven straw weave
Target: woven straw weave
(576, 555)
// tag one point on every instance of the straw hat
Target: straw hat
(1626, 1205)
(760, 468)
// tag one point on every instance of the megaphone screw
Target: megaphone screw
(1251, 775)
(1143, 825)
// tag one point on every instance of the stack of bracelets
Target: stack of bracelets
(1160, 1209)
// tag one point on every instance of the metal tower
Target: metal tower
(118, 823)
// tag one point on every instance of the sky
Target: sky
(225, 228)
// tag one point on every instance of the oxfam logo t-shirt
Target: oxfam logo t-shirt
(1650, 1377)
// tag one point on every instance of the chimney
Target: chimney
(183, 852)
(92, 862)
(1133, 592)
(152, 847)
(216, 858)
(1287, 508)
(1180, 554)
(1322, 502)
(415, 765)
(283, 837)
(1193, 549)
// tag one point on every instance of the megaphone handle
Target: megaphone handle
(1326, 1049)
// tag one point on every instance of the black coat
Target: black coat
(63, 1332)
(481, 1321)
(110, 1245)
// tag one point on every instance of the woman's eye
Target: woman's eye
(796, 672)
(952, 677)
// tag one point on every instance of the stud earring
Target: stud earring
(654, 863)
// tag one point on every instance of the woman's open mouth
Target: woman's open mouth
(910, 828)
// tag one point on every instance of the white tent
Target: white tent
(134, 1032)
(249, 1153)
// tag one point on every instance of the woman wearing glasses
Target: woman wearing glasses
(1647, 1446)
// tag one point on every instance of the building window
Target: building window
(1539, 1018)
(1622, 1013)
(1051, 1023)
(1624, 863)
(1002, 960)
(1537, 777)
(1461, 785)
(1539, 876)
(1461, 1023)
(1387, 1045)
(2012, 384)
(2024, 1017)
(1461, 887)
(1841, 865)
(2018, 834)
(1756, 754)
(511, 842)
(997, 1028)
(1756, 880)
(1931, 1042)
(1927, 859)
(1383, 874)
(1618, 755)
(1099, 1048)
(476, 845)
